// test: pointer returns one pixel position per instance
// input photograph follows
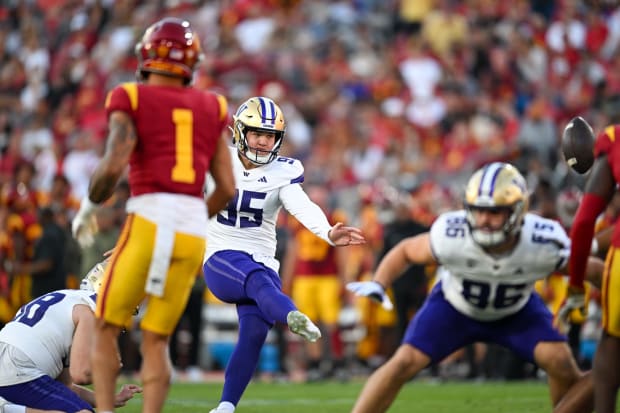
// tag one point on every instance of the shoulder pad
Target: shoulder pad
(448, 233)
(289, 168)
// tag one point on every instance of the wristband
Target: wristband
(327, 239)
(380, 285)
(87, 206)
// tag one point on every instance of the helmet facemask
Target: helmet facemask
(496, 237)
(496, 187)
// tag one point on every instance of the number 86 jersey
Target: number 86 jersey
(489, 287)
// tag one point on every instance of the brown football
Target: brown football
(578, 145)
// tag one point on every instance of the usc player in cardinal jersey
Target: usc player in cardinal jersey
(170, 134)
(599, 190)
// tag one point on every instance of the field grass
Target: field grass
(333, 397)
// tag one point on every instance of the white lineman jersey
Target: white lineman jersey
(249, 222)
(43, 331)
(487, 287)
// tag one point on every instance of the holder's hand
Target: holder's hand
(126, 393)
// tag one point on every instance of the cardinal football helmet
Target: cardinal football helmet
(92, 281)
(258, 114)
(496, 186)
(169, 47)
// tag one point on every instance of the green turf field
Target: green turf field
(332, 397)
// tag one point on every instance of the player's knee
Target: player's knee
(560, 365)
(153, 343)
(409, 361)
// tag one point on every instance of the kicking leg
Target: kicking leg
(276, 305)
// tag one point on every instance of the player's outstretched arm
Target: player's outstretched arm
(341, 235)
(310, 215)
(598, 191)
(412, 250)
(221, 171)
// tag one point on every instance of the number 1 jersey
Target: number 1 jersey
(177, 130)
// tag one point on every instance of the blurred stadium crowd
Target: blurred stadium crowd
(391, 105)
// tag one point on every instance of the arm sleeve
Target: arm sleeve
(297, 203)
(581, 235)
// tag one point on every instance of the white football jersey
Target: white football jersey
(43, 329)
(487, 287)
(249, 222)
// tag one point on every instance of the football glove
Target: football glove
(84, 225)
(373, 290)
(575, 301)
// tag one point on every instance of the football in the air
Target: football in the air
(578, 145)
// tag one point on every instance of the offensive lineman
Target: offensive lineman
(240, 266)
(45, 353)
(491, 253)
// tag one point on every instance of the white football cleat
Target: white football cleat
(224, 407)
(299, 323)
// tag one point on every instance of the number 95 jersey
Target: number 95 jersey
(248, 223)
(489, 287)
